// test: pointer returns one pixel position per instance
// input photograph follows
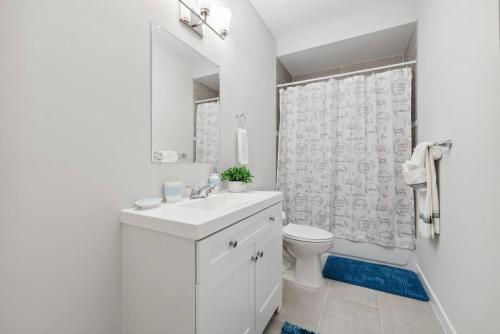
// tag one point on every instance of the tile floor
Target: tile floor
(340, 308)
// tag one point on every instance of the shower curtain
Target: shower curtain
(208, 132)
(340, 151)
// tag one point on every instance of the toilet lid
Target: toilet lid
(306, 233)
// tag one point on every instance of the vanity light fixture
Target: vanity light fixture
(222, 17)
(196, 14)
(205, 6)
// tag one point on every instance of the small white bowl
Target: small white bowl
(147, 203)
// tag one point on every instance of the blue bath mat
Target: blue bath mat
(393, 280)
(289, 328)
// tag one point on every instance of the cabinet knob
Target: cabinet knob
(254, 258)
(260, 254)
(272, 219)
(233, 243)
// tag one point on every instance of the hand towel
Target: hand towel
(242, 147)
(420, 173)
(170, 156)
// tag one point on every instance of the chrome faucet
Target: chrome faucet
(197, 192)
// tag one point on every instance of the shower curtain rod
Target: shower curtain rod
(346, 74)
(207, 100)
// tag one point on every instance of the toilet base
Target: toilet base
(308, 272)
(309, 275)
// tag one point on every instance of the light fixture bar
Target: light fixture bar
(202, 20)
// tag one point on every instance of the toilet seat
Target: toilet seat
(306, 233)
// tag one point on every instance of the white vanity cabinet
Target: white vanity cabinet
(225, 304)
(239, 275)
(268, 284)
(228, 282)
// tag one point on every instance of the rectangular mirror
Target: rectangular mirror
(185, 111)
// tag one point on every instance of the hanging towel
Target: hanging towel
(169, 156)
(242, 146)
(420, 173)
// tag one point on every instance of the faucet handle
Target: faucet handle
(208, 190)
(195, 192)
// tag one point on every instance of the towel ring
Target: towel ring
(443, 143)
(241, 119)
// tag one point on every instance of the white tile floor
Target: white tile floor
(340, 308)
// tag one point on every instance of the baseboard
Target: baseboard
(436, 305)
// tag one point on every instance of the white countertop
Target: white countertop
(183, 219)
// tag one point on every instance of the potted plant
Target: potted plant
(237, 178)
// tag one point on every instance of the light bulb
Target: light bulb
(185, 12)
(205, 6)
(222, 18)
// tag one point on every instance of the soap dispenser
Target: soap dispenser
(214, 181)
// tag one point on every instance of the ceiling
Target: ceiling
(303, 24)
(377, 45)
(211, 81)
(316, 35)
(282, 16)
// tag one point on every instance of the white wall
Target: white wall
(459, 98)
(75, 146)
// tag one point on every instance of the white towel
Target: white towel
(169, 156)
(420, 173)
(242, 147)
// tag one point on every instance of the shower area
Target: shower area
(345, 127)
(207, 130)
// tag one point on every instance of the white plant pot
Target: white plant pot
(236, 186)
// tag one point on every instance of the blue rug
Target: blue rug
(393, 280)
(289, 328)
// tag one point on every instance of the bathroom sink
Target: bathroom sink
(217, 202)
(198, 218)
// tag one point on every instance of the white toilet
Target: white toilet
(306, 243)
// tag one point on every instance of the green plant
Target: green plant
(241, 174)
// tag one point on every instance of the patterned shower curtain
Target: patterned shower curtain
(208, 132)
(341, 146)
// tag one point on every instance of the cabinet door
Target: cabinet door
(268, 285)
(225, 303)
(216, 250)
